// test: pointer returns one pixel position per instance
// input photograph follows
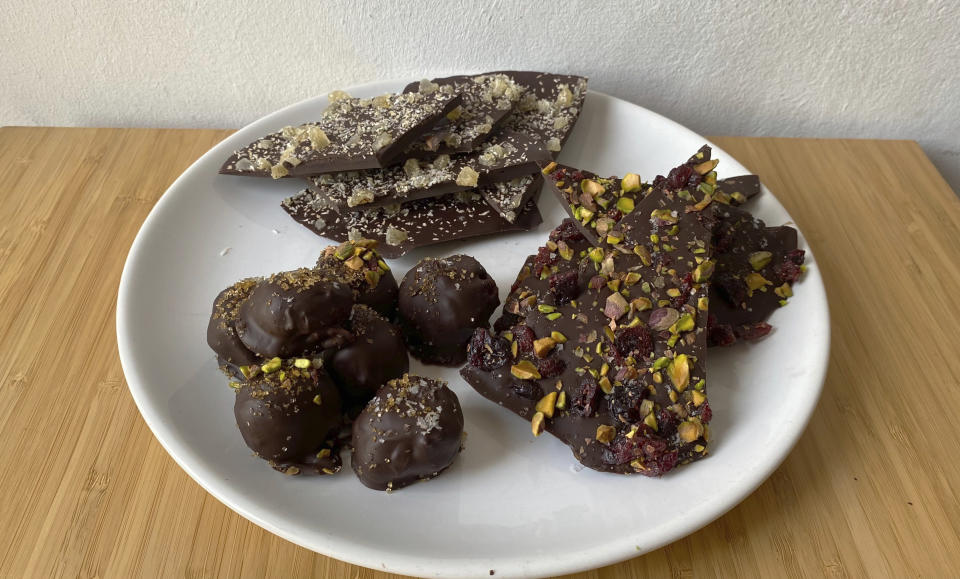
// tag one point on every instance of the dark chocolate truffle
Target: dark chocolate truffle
(411, 430)
(376, 355)
(441, 302)
(293, 312)
(357, 264)
(287, 409)
(221, 333)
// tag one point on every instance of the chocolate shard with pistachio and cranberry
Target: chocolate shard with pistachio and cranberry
(487, 101)
(412, 430)
(352, 134)
(607, 351)
(415, 224)
(598, 204)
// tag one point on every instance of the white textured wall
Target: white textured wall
(885, 68)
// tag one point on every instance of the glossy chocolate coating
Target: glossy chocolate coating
(372, 281)
(288, 414)
(291, 313)
(376, 355)
(221, 334)
(411, 430)
(441, 302)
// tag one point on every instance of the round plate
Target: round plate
(510, 504)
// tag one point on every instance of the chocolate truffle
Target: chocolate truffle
(293, 312)
(221, 333)
(376, 355)
(411, 430)
(287, 410)
(358, 264)
(441, 302)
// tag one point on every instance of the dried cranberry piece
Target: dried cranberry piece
(730, 288)
(720, 335)
(524, 337)
(679, 177)
(527, 389)
(567, 232)
(551, 366)
(787, 272)
(635, 340)
(658, 181)
(564, 286)
(544, 258)
(705, 413)
(796, 256)
(661, 464)
(624, 403)
(586, 401)
(486, 351)
(577, 176)
(559, 175)
(686, 286)
(666, 423)
(753, 331)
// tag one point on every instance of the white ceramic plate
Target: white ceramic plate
(510, 504)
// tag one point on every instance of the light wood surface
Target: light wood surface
(871, 489)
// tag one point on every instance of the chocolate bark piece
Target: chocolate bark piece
(488, 99)
(598, 204)
(506, 156)
(292, 313)
(375, 354)
(613, 363)
(410, 431)
(287, 412)
(221, 332)
(352, 134)
(441, 302)
(358, 265)
(550, 107)
(417, 223)
(756, 268)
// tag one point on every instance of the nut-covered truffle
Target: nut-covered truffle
(441, 302)
(358, 264)
(376, 355)
(221, 333)
(287, 409)
(293, 312)
(411, 430)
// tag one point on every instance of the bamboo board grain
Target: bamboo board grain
(871, 489)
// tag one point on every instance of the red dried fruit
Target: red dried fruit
(564, 286)
(720, 335)
(679, 177)
(789, 270)
(567, 232)
(634, 341)
(585, 403)
(795, 256)
(551, 366)
(577, 176)
(705, 413)
(753, 331)
(486, 351)
(544, 258)
(524, 338)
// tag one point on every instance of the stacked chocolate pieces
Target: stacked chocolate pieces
(446, 159)
(603, 337)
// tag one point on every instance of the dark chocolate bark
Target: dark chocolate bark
(410, 431)
(487, 101)
(506, 156)
(375, 354)
(598, 204)
(418, 223)
(550, 107)
(287, 412)
(352, 134)
(609, 355)
(441, 302)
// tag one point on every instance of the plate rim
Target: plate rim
(613, 552)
